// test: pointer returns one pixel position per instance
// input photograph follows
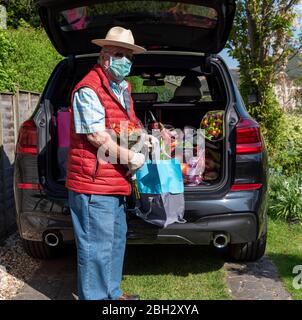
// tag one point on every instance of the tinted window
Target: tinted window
(139, 12)
(166, 92)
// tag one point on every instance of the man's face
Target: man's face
(114, 51)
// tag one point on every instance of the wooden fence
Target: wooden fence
(14, 110)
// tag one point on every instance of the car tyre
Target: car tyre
(248, 252)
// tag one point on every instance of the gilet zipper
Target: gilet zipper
(95, 170)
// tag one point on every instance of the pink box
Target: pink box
(63, 125)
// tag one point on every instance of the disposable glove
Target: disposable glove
(136, 162)
(151, 142)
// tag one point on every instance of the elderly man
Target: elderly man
(97, 189)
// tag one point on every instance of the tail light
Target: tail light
(248, 141)
(246, 187)
(29, 186)
(28, 138)
(248, 137)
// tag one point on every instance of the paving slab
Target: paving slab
(255, 281)
(54, 280)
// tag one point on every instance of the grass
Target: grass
(285, 250)
(188, 272)
(174, 272)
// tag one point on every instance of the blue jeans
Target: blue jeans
(100, 228)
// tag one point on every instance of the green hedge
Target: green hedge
(286, 156)
(28, 59)
(7, 71)
(285, 186)
(19, 11)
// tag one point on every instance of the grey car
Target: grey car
(228, 209)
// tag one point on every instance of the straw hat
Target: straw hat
(118, 36)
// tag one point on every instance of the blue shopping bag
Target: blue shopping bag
(161, 193)
(162, 176)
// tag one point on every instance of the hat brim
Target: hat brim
(105, 42)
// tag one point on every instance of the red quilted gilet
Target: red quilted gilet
(84, 173)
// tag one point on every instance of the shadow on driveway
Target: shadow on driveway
(56, 279)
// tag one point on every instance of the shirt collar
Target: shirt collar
(121, 86)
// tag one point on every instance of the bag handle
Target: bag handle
(141, 213)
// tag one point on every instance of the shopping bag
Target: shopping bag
(158, 177)
(161, 193)
(161, 209)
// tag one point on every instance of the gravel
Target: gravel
(16, 267)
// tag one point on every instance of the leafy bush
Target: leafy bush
(286, 156)
(7, 71)
(32, 60)
(21, 10)
(286, 179)
(262, 40)
(285, 197)
(269, 115)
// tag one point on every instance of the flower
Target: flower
(127, 133)
(212, 123)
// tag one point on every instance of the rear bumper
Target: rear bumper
(240, 214)
(241, 227)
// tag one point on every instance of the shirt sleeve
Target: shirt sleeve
(89, 114)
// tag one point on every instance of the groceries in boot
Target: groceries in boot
(200, 161)
(200, 157)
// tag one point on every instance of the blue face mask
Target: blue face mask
(120, 67)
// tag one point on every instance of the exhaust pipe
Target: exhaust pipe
(52, 239)
(221, 240)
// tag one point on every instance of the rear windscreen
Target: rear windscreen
(170, 83)
(138, 12)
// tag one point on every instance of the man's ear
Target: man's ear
(100, 57)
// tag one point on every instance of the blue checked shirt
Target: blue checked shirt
(89, 113)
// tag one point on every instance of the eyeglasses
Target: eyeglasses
(120, 55)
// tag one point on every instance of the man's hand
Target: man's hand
(151, 143)
(135, 162)
(104, 141)
(151, 146)
(146, 144)
(98, 138)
